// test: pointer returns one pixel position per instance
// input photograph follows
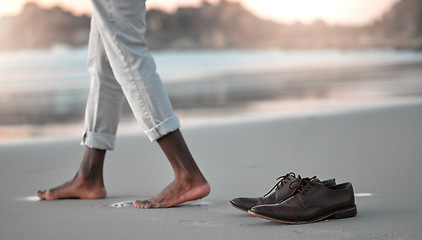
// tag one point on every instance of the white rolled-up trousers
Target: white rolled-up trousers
(120, 65)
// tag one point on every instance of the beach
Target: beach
(378, 149)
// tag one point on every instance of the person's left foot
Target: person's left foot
(88, 182)
(74, 189)
(176, 193)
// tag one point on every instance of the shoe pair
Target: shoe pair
(298, 200)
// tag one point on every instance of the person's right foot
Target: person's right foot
(176, 193)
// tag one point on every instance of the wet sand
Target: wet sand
(378, 149)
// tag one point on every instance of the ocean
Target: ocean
(50, 87)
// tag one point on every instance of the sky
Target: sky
(349, 12)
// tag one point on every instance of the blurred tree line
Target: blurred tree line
(221, 26)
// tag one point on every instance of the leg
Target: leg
(105, 99)
(87, 183)
(189, 183)
(122, 27)
(101, 119)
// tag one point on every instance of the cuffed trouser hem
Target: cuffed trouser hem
(169, 125)
(98, 140)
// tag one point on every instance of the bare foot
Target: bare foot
(189, 183)
(74, 189)
(88, 182)
(174, 194)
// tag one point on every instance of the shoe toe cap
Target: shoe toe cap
(244, 202)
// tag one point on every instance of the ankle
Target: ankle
(88, 180)
(183, 179)
(190, 179)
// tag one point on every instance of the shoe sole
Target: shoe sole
(343, 213)
(237, 207)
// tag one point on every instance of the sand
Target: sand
(379, 150)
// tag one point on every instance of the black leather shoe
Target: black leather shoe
(284, 188)
(311, 202)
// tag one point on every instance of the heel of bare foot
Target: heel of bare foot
(72, 190)
(174, 195)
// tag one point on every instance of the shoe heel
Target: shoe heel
(345, 213)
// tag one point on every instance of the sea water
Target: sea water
(44, 86)
(64, 67)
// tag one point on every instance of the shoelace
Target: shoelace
(303, 186)
(281, 181)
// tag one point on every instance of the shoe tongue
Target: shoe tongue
(316, 180)
(293, 182)
(287, 189)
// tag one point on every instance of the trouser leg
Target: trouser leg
(105, 97)
(121, 25)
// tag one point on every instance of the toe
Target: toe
(147, 204)
(136, 204)
(140, 204)
(154, 205)
(41, 194)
